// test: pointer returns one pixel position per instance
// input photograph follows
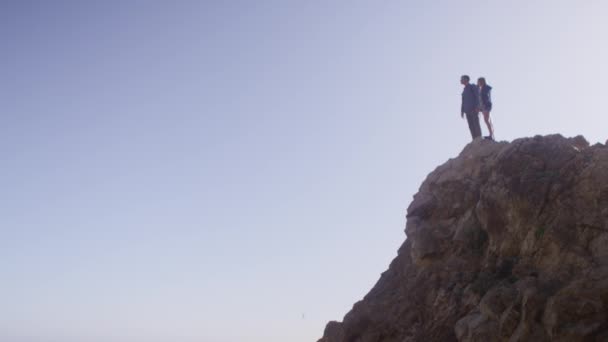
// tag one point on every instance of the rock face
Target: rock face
(506, 242)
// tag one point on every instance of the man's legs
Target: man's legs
(473, 121)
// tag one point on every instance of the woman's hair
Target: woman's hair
(482, 80)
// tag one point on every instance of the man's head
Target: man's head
(481, 81)
(464, 79)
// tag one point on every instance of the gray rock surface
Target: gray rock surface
(506, 242)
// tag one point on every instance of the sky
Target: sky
(226, 171)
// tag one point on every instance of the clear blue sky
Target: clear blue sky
(226, 171)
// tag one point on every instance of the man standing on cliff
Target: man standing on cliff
(470, 106)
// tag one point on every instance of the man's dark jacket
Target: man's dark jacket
(470, 99)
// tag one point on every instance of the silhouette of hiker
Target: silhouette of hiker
(470, 106)
(485, 104)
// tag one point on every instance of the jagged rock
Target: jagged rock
(334, 331)
(506, 242)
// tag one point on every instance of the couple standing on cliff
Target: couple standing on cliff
(476, 99)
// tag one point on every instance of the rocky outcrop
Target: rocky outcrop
(506, 242)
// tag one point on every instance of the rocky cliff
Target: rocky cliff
(506, 242)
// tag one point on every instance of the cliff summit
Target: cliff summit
(506, 242)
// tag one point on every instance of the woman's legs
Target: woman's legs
(486, 117)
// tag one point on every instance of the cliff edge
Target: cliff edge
(506, 242)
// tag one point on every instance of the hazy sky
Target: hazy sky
(227, 171)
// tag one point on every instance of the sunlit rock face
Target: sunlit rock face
(506, 242)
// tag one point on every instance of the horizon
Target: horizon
(222, 172)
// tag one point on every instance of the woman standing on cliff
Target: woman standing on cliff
(485, 104)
